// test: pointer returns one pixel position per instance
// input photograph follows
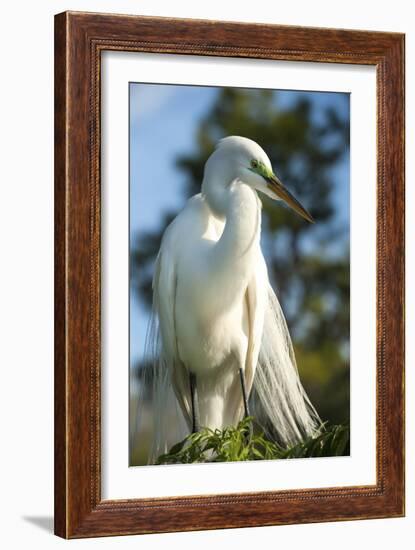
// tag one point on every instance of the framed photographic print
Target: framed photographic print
(229, 275)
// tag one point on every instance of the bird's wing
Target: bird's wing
(164, 302)
(280, 399)
(163, 373)
(255, 304)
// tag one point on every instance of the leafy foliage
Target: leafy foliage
(241, 443)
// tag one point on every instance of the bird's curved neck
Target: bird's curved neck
(237, 204)
(242, 223)
(232, 260)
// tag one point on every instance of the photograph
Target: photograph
(239, 274)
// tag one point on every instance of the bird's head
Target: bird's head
(240, 158)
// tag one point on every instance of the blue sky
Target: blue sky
(163, 123)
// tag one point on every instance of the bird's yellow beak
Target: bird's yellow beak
(282, 192)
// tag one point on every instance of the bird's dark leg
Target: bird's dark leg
(244, 394)
(195, 403)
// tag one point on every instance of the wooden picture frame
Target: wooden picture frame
(79, 40)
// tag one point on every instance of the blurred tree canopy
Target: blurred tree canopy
(308, 264)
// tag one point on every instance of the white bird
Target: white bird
(218, 331)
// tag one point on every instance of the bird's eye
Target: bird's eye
(254, 163)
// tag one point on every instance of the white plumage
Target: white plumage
(215, 313)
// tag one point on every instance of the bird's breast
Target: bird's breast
(210, 337)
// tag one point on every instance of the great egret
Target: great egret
(218, 331)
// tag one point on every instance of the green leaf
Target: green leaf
(240, 443)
